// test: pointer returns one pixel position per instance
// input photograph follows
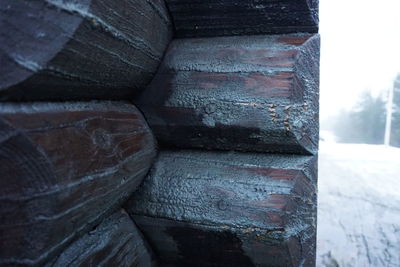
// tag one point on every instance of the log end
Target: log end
(209, 208)
(65, 166)
(226, 18)
(253, 93)
(115, 242)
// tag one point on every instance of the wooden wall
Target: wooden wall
(147, 133)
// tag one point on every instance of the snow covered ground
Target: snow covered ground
(359, 205)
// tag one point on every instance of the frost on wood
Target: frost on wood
(75, 49)
(249, 93)
(64, 166)
(196, 18)
(115, 242)
(229, 209)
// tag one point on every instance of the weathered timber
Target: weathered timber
(63, 167)
(115, 242)
(80, 49)
(229, 209)
(251, 93)
(196, 18)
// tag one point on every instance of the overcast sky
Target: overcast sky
(360, 50)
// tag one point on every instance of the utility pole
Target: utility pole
(389, 111)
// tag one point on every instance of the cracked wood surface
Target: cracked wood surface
(196, 18)
(248, 93)
(115, 242)
(229, 209)
(84, 49)
(64, 167)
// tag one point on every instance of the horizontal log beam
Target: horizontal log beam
(253, 93)
(64, 167)
(115, 242)
(83, 49)
(196, 18)
(229, 209)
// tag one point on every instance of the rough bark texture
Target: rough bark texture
(115, 242)
(257, 93)
(64, 166)
(195, 18)
(229, 209)
(80, 49)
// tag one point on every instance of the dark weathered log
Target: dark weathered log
(63, 167)
(115, 242)
(75, 49)
(257, 93)
(229, 209)
(195, 18)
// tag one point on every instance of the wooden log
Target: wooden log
(196, 18)
(64, 167)
(115, 242)
(80, 49)
(257, 93)
(229, 209)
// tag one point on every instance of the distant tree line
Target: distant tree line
(365, 123)
(395, 134)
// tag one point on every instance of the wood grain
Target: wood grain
(115, 242)
(229, 209)
(80, 49)
(257, 93)
(197, 18)
(64, 167)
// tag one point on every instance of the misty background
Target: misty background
(359, 176)
(360, 59)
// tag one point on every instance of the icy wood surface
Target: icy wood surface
(195, 18)
(63, 167)
(229, 209)
(248, 93)
(115, 242)
(75, 49)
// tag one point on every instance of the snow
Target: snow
(359, 205)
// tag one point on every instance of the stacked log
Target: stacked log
(219, 100)
(199, 18)
(229, 209)
(86, 49)
(249, 93)
(115, 242)
(65, 166)
(234, 99)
